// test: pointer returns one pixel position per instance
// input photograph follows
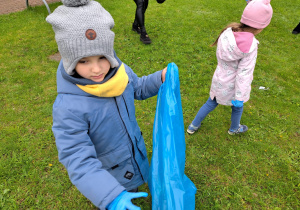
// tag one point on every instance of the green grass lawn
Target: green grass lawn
(256, 170)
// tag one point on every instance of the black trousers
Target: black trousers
(141, 7)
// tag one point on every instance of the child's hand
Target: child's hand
(163, 75)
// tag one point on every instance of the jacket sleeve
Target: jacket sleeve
(244, 76)
(146, 86)
(77, 153)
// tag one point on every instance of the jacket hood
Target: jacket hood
(68, 84)
(229, 50)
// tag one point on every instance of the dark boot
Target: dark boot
(136, 28)
(145, 38)
(297, 29)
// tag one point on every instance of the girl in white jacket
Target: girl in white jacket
(236, 54)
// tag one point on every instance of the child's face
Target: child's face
(94, 68)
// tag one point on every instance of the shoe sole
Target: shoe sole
(231, 133)
(190, 132)
(236, 133)
(146, 42)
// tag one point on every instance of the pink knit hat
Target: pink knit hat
(257, 14)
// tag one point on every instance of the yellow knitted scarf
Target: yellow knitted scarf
(115, 86)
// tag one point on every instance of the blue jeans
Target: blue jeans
(210, 105)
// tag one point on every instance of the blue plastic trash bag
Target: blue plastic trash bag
(170, 188)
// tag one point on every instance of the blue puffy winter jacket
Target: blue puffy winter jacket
(98, 138)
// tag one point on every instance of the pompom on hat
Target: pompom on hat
(74, 3)
(257, 14)
(82, 29)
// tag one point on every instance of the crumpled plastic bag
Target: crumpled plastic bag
(170, 188)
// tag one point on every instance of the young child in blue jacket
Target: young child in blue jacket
(94, 124)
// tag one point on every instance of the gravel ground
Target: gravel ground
(9, 6)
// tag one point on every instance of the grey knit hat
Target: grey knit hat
(82, 29)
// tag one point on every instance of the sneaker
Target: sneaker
(145, 38)
(192, 129)
(136, 29)
(241, 129)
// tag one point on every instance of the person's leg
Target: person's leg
(146, 2)
(138, 20)
(140, 14)
(209, 106)
(141, 7)
(236, 116)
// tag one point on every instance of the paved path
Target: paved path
(9, 6)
